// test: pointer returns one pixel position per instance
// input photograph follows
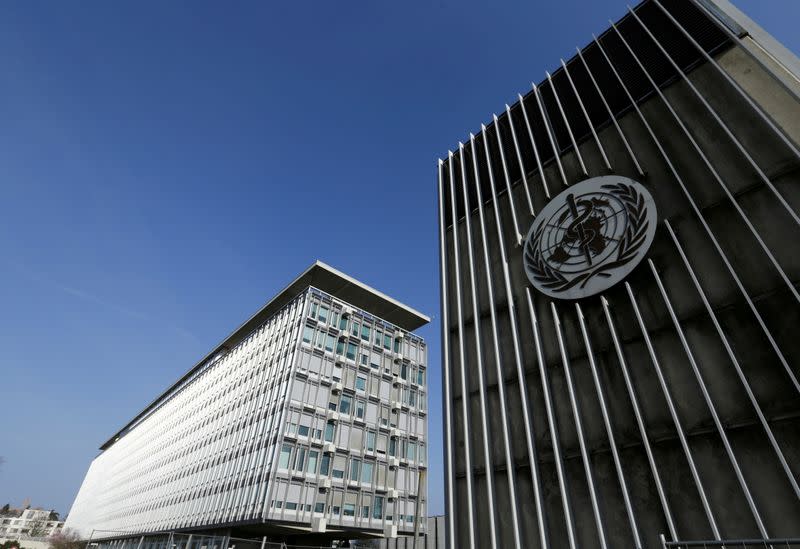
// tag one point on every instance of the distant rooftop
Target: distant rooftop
(323, 277)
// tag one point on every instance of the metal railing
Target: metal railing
(772, 543)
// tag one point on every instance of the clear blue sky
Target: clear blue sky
(166, 167)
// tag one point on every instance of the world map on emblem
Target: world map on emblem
(589, 237)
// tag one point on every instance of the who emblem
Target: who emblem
(590, 237)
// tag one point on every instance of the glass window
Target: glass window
(392, 446)
(378, 336)
(354, 328)
(291, 506)
(355, 468)
(349, 510)
(420, 377)
(361, 383)
(337, 510)
(286, 452)
(300, 459)
(313, 456)
(323, 313)
(320, 340)
(365, 332)
(364, 359)
(330, 427)
(370, 441)
(308, 334)
(343, 323)
(351, 351)
(397, 345)
(332, 406)
(366, 472)
(329, 340)
(337, 473)
(334, 317)
(412, 398)
(387, 341)
(345, 404)
(412, 451)
(404, 371)
(377, 510)
(302, 430)
(319, 507)
(325, 464)
(340, 347)
(360, 406)
(313, 310)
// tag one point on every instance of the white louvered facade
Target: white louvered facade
(310, 421)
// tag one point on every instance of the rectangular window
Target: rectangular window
(313, 456)
(319, 507)
(286, 452)
(412, 451)
(325, 465)
(308, 334)
(313, 311)
(377, 510)
(392, 446)
(334, 317)
(360, 406)
(397, 345)
(345, 404)
(364, 359)
(420, 377)
(343, 323)
(349, 510)
(404, 371)
(329, 341)
(323, 313)
(290, 506)
(412, 398)
(302, 430)
(355, 469)
(340, 347)
(337, 473)
(330, 427)
(351, 351)
(370, 444)
(337, 510)
(365, 511)
(320, 340)
(366, 472)
(300, 459)
(354, 328)
(361, 383)
(387, 341)
(378, 336)
(365, 332)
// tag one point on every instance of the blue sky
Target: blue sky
(166, 167)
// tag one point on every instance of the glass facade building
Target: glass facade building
(310, 420)
(584, 413)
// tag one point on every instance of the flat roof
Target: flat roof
(320, 276)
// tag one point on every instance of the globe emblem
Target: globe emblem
(589, 237)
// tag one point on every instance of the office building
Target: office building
(621, 317)
(309, 422)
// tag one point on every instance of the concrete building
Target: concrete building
(31, 522)
(307, 423)
(620, 307)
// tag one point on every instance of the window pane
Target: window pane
(387, 341)
(312, 461)
(308, 334)
(344, 405)
(300, 459)
(286, 452)
(366, 472)
(329, 428)
(365, 332)
(313, 311)
(340, 347)
(302, 430)
(378, 337)
(360, 409)
(324, 464)
(355, 467)
(343, 323)
(371, 441)
(323, 313)
(361, 383)
(377, 510)
(329, 339)
(355, 328)
(349, 510)
(351, 351)
(319, 508)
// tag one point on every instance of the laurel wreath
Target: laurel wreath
(631, 240)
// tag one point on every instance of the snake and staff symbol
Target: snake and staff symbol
(589, 237)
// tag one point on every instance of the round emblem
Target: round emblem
(590, 237)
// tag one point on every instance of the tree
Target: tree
(37, 528)
(10, 544)
(53, 515)
(65, 539)
(5, 510)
